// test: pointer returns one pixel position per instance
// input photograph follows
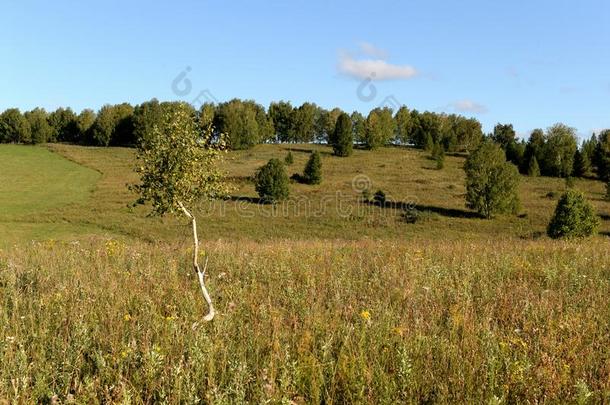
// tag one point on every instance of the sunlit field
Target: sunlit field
(33, 181)
(333, 209)
(327, 299)
(307, 322)
(222, 203)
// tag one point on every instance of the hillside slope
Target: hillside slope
(332, 210)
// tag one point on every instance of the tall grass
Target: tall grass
(307, 322)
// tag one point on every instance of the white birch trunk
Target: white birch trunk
(200, 273)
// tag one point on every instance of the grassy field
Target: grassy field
(331, 210)
(325, 299)
(308, 322)
(33, 181)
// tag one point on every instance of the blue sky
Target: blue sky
(530, 63)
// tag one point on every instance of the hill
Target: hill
(333, 209)
(35, 181)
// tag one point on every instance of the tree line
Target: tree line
(556, 152)
(245, 123)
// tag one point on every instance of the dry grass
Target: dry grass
(309, 322)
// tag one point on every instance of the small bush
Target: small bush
(410, 216)
(438, 154)
(570, 182)
(271, 182)
(440, 162)
(289, 159)
(574, 217)
(313, 169)
(413, 215)
(380, 197)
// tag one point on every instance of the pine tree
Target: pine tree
(574, 217)
(342, 139)
(312, 174)
(582, 164)
(438, 154)
(429, 144)
(602, 156)
(533, 169)
(289, 158)
(440, 160)
(271, 182)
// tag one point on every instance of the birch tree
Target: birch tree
(178, 164)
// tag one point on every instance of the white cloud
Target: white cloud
(374, 69)
(372, 51)
(468, 106)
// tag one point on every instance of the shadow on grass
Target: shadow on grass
(446, 212)
(604, 217)
(303, 150)
(360, 147)
(251, 200)
(299, 178)
(458, 154)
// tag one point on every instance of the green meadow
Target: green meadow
(34, 180)
(83, 191)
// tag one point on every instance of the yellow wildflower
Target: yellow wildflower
(366, 315)
(113, 247)
(399, 331)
